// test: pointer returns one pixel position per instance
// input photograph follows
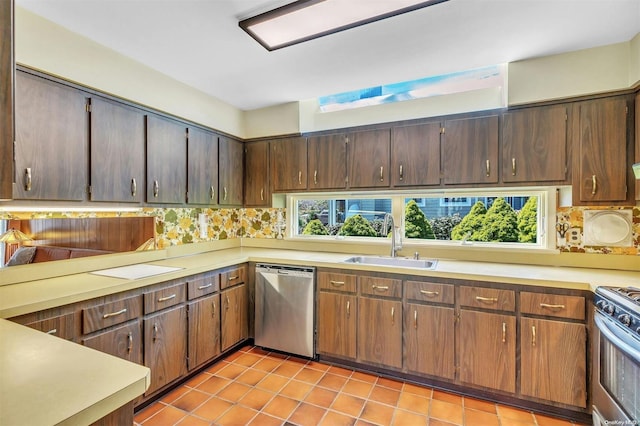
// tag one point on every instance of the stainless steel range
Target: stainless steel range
(616, 355)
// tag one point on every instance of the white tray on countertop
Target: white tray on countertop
(134, 272)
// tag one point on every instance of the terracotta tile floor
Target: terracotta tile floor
(254, 387)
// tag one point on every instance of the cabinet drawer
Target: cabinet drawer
(385, 287)
(233, 276)
(343, 283)
(112, 313)
(203, 284)
(553, 305)
(60, 326)
(488, 298)
(164, 298)
(429, 292)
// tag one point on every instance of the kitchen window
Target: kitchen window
(485, 218)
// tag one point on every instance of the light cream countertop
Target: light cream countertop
(32, 296)
(45, 380)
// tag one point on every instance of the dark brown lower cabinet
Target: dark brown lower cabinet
(124, 341)
(165, 346)
(380, 331)
(234, 316)
(553, 361)
(487, 350)
(429, 340)
(337, 314)
(204, 330)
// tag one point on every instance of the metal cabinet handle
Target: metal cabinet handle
(487, 299)
(315, 177)
(234, 277)
(513, 166)
(401, 173)
(336, 283)
(533, 335)
(212, 192)
(429, 293)
(548, 306)
(415, 319)
(164, 299)
(393, 314)
(134, 187)
(504, 332)
(224, 197)
(113, 314)
(155, 332)
(202, 287)
(299, 177)
(129, 342)
(348, 308)
(261, 194)
(380, 287)
(488, 167)
(213, 309)
(595, 185)
(381, 173)
(156, 188)
(27, 179)
(228, 302)
(52, 331)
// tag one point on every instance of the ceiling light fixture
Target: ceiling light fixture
(306, 20)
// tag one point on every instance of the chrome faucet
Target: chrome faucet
(394, 246)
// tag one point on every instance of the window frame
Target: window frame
(547, 199)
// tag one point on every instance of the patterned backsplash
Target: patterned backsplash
(175, 226)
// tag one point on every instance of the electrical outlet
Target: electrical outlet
(574, 236)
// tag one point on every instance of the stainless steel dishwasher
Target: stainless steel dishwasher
(284, 309)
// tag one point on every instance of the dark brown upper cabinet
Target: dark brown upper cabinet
(415, 155)
(52, 142)
(603, 133)
(256, 178)
(117, 152)
(369, 159)
(534, 145)
(288, 164)
(327, 162)
(230, 172)
(7, 74)
(202, 167)
(470, 150)
(166, 161)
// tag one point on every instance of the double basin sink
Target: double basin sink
(398, 262)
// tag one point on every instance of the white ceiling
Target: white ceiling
(199, 42)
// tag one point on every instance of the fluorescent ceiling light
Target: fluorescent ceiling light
(305, 20)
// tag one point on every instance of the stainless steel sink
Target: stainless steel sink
(400, 262)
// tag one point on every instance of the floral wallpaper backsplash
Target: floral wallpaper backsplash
(570, 222)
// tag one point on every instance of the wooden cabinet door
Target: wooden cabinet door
(553, 361)
(327, 162)
(429, 340)
(337, 315)
(165, 346)
(166, 161)
(288, 164)
(380, 332)
(234, 318)
(415, 155)
(369, 159)
(51, 150)
(231, 171)
(256, 175)
(117, 152)
(470, 150)
(487, 350)
(602, 151)
(534, 144)
(202, 167)
(204, 330)
(637, 137)
(124, 341)
(7, 76)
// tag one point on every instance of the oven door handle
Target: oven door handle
(617, 337)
